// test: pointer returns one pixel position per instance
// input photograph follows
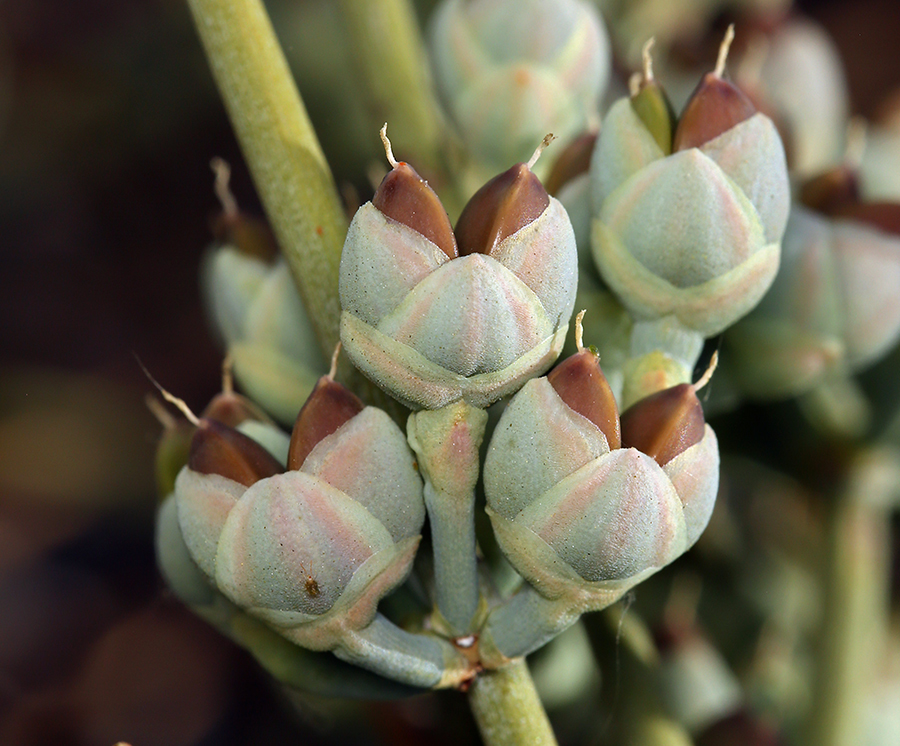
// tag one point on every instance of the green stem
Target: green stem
(287, 164)
(524, 623)
(416, 660)
(389, 57)
(447, 443)
(857, 578)
(507, 708)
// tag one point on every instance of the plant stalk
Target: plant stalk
(286, 162)
(507, 708)
(857, 579)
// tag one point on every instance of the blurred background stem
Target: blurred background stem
(389, 56)
(857, 587)
(288, 167)
(507, 708)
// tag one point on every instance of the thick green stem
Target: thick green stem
(507, 708)
(857, 579)
(390, 59)
(290, 172)
(447, 443)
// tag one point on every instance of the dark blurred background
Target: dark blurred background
(108, 121)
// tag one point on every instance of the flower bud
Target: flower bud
(310, 551)
(570, 183)
(694, 234)
(219, 449)
(432, 329)
(511, 71)
(578, 518)
(255, 307)
(833, 306)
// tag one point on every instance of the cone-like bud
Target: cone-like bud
(715, 106)
(329, 406)
(220, 449)
(664, 424)
(310, 551)
(502, 207)
(405, 196)
(834, 305)
(431, 329)
(512, 70)
(232, 409)
(256, 309)
(578, 518)
(581, 384)
(694, 234)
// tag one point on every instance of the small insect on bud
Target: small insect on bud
(503, 206)
(650, 103)
(714, 107)
(668, 422)
(581, 384)
(405, 196)
(329, 406)
(574, 161)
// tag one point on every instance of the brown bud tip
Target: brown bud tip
(232, 409)
(573, 161)
(219, 449)
(664, 424)
(506, 204)
(714, 107)
(405, 196)
(882, 215)
(831, 191)
(329, 406)
(581, 384)
(248, 235)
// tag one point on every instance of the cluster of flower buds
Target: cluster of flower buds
(434, 316)
(689, 212)
(834, 305)
(306, 544)
(585, 503)
(511, 71)
(255, 306)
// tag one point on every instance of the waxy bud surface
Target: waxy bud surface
(694, 233)
(432, 329)
(511, 71)
(311, 550)
(579, 516)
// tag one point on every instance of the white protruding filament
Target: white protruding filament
(648, 60)
(579, 330)
(158, 410)
(222, 171)
(548, 138)
(388, 151)
(334, 360)
(723, 51)
(713, 363)
(179, 403)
